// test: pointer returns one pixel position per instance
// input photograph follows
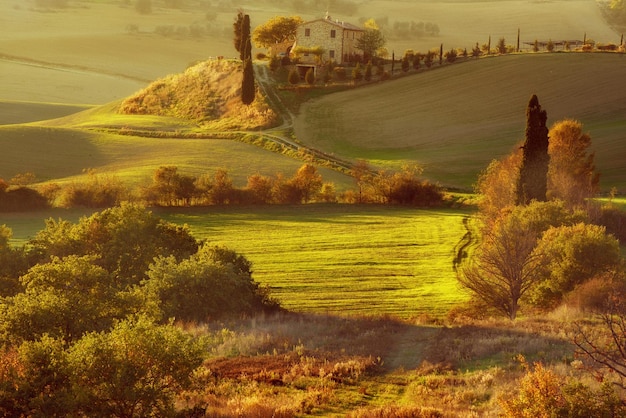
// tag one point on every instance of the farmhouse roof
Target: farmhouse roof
(336, 22)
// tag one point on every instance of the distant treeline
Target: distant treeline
(169, 187)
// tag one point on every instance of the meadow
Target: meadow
(454, 120)
(341, 259)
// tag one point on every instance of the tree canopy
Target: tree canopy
(371, 40)
(276, 30)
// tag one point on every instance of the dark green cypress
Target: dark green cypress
(246, 46)
(247, 84)
(533, 177)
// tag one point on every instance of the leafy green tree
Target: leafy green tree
(214, 283)
(170, 188)
(501, 47)
(451, 55)
(533, 179)
(13, 263)
(428, 59)
(505, 266)
(35, 380)
(222, 189)
(405, 65)
(571, 176)
(135, 370)
(476, 51)
(307, 182)
(573, 255)
(259, 188)
(64, 298)
(371, 40)
(497, 185)
(125, 239)
(276, 30)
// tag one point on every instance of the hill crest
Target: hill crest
(208, 93)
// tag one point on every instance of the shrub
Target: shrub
(542, 393)
(340, 73)
(309, 77)
(293, 77)
(21, 199)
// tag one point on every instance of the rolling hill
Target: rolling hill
(455, 119)
(452, 120)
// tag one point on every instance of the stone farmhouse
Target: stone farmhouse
(326, 39)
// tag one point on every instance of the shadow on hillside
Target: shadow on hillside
(52, 153)
(392, 343)
(24, 112)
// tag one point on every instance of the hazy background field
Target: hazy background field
(97, 51)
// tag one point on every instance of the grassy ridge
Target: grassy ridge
(454, 120)
(344, 259)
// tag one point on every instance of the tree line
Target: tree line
(170, 187)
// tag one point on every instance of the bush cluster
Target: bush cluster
(169, 187)
(86, 321)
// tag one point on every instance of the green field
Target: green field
(366, 260)
(454, 120)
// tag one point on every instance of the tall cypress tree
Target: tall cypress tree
(248, 90)
(245, 51)
(533, 177)
(237, 31)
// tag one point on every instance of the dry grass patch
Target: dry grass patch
(209, 93)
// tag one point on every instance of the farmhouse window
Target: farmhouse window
(333, 33)
(307, 32)
(331, 53)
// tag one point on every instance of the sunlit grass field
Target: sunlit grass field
(343, 259)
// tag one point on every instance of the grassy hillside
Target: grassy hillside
(98, 51)
(454, 120)
(62, 154)
(209, 93)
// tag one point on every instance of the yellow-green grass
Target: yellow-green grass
(355, 260)
(61, 155)
(342, 259)
(12, 112)
(454, 120)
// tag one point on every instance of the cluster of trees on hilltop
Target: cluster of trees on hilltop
(169, 187)
(543, 239)
(87, 311)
